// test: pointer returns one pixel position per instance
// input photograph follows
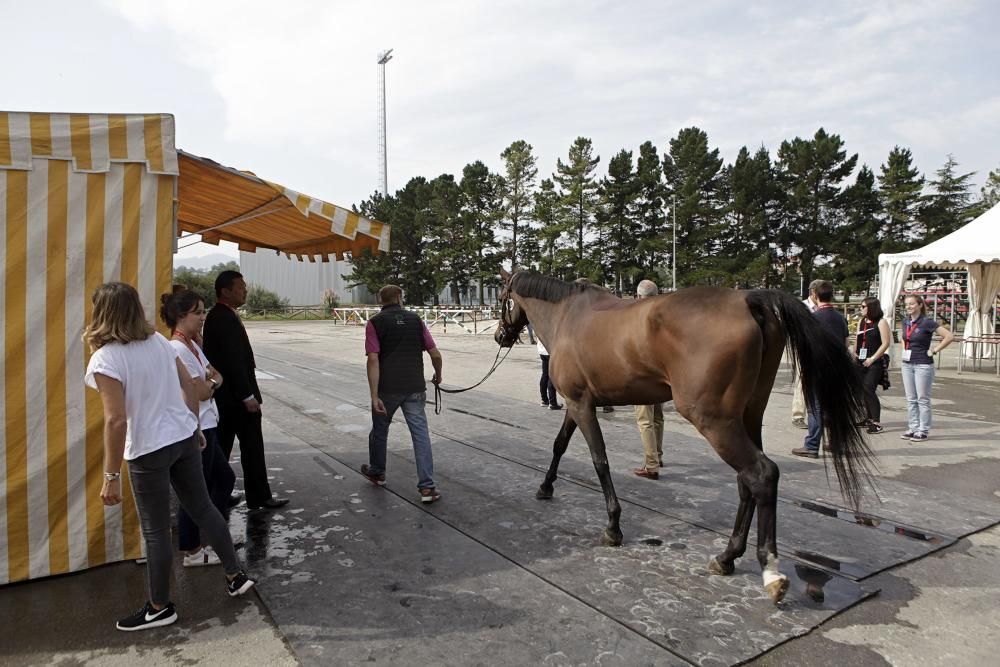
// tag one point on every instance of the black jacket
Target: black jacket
(227, 348)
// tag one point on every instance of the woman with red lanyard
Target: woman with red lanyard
(184, 312)
(871, 345)
(918, 365)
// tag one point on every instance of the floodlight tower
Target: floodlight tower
(383, 58)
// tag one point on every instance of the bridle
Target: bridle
(505, 325)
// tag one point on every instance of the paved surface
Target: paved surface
(352, 574)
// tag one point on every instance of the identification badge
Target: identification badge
(906, 355)
(863, 354)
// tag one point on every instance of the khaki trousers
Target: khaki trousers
(650, 421)
(798, 400)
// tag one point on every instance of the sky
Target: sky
(289, 90)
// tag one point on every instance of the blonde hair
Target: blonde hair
(117, 318)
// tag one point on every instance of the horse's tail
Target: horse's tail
(831, 377)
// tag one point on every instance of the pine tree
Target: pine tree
(615, 250)
(375, 271)
(693, 174)
(990, 191)
(519, 183)
(810, 172)
(900, 185)
(654, 227)
(578, 196)
(856, 249)
(949, 206)
(452, 237)
(551, 228)
(751, 223)
(482, 194)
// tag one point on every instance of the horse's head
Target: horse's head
(513, 319)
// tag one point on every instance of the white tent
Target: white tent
(975, 247)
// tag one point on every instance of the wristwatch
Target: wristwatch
(112, 476)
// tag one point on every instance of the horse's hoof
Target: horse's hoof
(715, 566)
(610, 539)
(776, 589)
(543, 493)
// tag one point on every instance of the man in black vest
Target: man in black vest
(395, 341)
(227, 348)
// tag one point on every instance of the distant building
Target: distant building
(301, 282)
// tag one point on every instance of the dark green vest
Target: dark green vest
(401, 351)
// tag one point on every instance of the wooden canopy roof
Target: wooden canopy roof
(221, 203)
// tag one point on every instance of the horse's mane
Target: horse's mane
(537, 286)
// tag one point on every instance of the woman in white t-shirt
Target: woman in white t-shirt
(150, 420)
(545, 386)
(184, 312)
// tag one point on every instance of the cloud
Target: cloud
(468, 78)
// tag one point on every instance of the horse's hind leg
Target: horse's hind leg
(724, 563)
(558, 449)
(587, 419)
(765, 491)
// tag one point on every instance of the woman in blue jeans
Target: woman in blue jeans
(918, 365)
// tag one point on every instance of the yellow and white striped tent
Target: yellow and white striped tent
(85, 199)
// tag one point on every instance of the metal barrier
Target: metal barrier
(472, 320)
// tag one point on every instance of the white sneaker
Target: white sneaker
(204, 556)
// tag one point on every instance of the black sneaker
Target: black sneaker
(875, 428)
(377, 480)
(240, 584)
(147, 618)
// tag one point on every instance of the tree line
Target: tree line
(761, 221)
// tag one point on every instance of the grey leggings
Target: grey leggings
(152, 475)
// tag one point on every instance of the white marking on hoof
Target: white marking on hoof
(775, 583)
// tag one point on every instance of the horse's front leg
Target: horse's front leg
(558, 449)
(585, 416)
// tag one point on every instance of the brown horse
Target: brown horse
(715, 352)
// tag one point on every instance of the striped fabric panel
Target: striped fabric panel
(56, 223)
(91, 141)
(343, 222)
(4, 533)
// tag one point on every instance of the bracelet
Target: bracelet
(112, 476)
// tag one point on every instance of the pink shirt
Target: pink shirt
(372, 345)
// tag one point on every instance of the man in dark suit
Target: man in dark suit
(227, 348)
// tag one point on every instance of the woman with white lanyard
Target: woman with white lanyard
(918, 365)
(184, 312)
(150, 421)
(872, 343)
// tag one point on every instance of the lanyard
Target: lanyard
(864, 333)
(908, 334)
(190, 344)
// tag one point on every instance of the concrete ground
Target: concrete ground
(353, 574)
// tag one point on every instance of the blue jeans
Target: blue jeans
(416, 420)
(917, 381)
(814, 420)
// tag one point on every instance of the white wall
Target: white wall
(302, 283)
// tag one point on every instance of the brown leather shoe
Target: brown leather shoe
(648, 474)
